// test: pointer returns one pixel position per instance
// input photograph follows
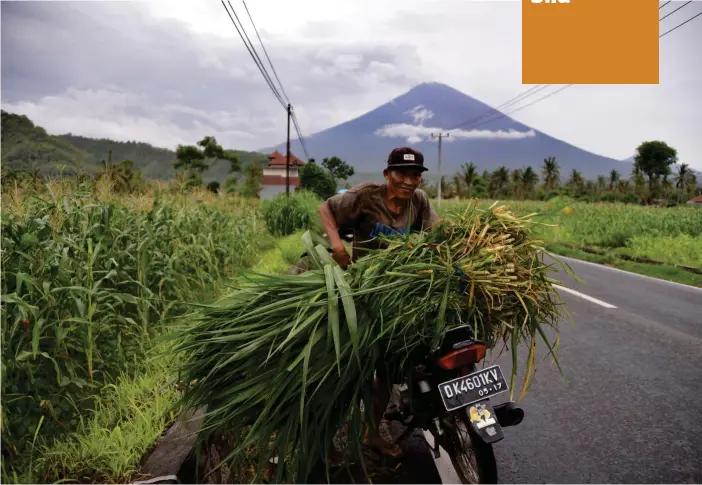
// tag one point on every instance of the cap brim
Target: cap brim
(421, 168)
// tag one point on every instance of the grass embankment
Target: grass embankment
(127, 419)
(668, 235)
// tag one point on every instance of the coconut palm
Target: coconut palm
(516, 177)
(458, 184)
(529, 180)
(613, 179)
(637, 176)
(499, 178)
(576, 182)
(623, 186)
(470, 174)
(685, 180)
(601, 183)
(551, 173)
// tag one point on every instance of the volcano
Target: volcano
(410, 118)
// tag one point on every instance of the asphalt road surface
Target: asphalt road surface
(628, 407)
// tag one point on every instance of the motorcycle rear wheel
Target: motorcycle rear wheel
(472, 458)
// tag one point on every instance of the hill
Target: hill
(155, 162)
(27, 146)
(410, 118)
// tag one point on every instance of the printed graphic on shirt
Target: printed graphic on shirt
(386, 230)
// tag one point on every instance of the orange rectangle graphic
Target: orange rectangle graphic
(590, 41)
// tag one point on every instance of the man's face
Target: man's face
(403, 182)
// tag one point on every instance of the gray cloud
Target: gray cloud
(178, 71)
(110, 69)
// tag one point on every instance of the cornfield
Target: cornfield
(87, 279)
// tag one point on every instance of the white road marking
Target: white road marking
(609, 268)
(584, 296)
(443, 464)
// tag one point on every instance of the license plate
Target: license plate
(474, 387)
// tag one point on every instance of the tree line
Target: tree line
(192, 160)
(651, 180)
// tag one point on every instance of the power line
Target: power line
(260, 66)
(671, 13)
(680, 25)
(266, 52)
(666, 3)
(503, 115)
(299, 135)
(529, 92)
(298, 130)
(291, 112)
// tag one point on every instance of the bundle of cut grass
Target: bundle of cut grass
(286, 360)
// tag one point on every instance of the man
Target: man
(369, 210)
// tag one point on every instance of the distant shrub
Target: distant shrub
(285, 214)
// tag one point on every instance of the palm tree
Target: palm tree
(470, 173)
(639, 180)
(576, 182)
(445, 186)
(590, 187)
(529, 180)
(552, 174)
(601, 183)
(623, 186)
(499, 178)
(458, 183)
(613, 179)
(517, 182)
(667, 184)
(685, 180)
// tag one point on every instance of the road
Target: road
(628, 407)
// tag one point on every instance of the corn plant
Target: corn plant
(87, 282)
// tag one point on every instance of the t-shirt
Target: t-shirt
(363, 209)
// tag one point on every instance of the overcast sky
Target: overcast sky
(170, 72)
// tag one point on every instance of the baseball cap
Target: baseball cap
(406, 157)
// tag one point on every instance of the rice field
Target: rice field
(671, 235)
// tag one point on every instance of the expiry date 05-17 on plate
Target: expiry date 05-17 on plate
(474, 387)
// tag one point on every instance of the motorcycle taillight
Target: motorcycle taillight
(469, 355)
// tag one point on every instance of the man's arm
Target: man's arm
(331, 228)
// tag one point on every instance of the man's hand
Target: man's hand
(341, 256)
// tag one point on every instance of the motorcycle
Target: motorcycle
(445, 394)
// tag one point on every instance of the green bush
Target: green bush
(286, 214)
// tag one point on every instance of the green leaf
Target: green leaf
(29, 240)
(36, 332)
(349, 308)
(309, 248)
(333, 312)
(24, 355)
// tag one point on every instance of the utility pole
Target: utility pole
(439, 136)
(287, 157)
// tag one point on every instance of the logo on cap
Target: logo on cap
(409, 156)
